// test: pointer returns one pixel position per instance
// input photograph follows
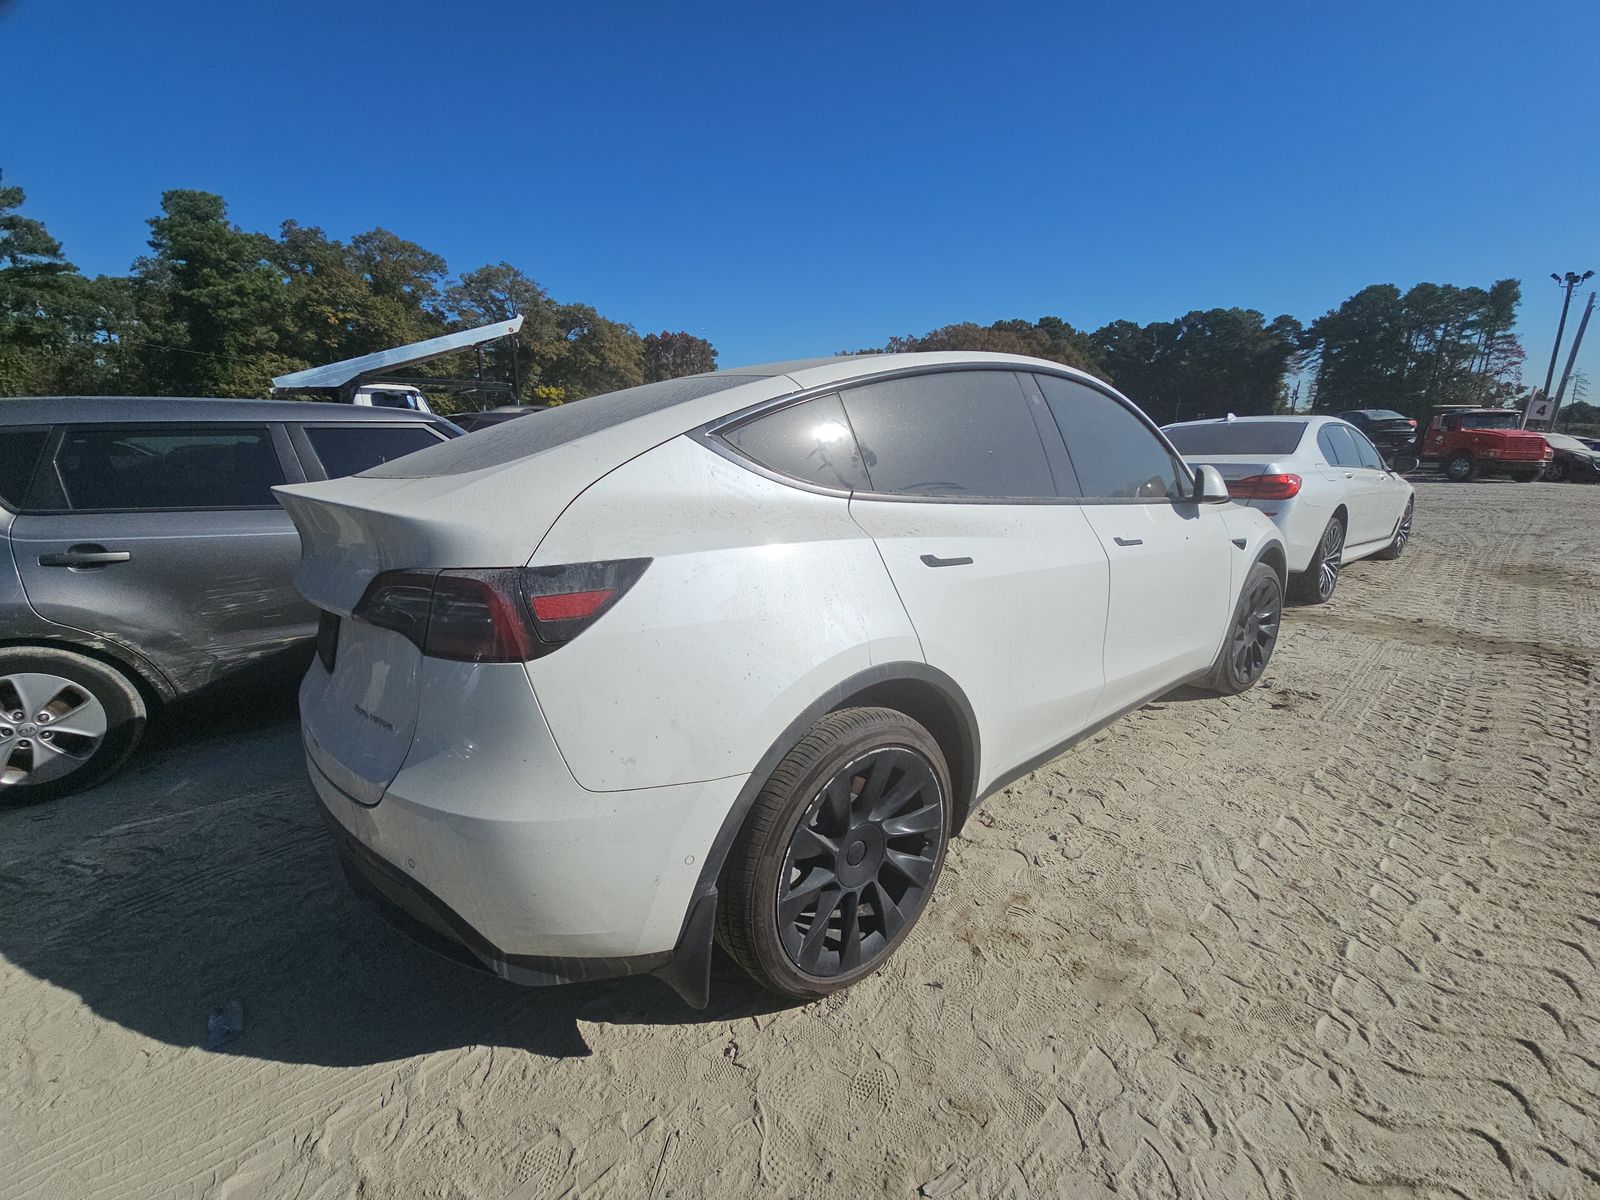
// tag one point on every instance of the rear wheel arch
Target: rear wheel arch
(152, 688)
(923, 693)
(1275, 558)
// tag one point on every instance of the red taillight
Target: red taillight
(1413, 424)
(499, 614)
(570, 607)
(1265, 487)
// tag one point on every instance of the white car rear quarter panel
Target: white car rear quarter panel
(759, 599)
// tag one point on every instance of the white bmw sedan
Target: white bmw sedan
(1319, 479)
(734, 655)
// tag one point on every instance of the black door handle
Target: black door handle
(87, 554)
(933, 560)
(1128, 541)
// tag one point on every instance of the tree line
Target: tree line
(1432, 345)
(216, 310)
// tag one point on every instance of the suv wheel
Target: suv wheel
(1460, 468)
(66, 723)
(839, 855)
(1316, 585)
(1252, 634)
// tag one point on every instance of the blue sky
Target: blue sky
(802, 181)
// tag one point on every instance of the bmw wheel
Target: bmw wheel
(1402, 534)
(839, 856)
(66, 723)
(1316, 585)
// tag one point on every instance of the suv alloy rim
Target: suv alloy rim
(1255, 631)
(49, 727)
(1328, 567)
(860, 862)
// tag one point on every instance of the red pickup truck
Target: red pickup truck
(1470, 442)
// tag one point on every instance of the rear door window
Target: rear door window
(811, 441)
(1339, 446)
(19, 455)
(962, 434)
(168, 467)
(350, 449)
(1116, 455)
(1366, 453)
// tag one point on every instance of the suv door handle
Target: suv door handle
(87, 554)
(1128, 541)
(933, 560)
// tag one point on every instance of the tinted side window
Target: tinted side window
(1366, 454)
(810, 441)
(222, 467)
(19, 455)
(958, 433)
(1116, 455)
(349, 450)
(1337, 439)
(1325, 444)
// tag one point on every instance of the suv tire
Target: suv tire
(827, 832)
(67, 722)
(1252, 634)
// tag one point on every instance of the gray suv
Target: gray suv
(146, 559)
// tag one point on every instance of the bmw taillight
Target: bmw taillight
(496, 614)
(1265, 487)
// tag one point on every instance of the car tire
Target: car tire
(1317, 583)
(67, 722)
(1557, 472)
(829, 801)
(1252, 634)
(1402, 534)
(1461, 468)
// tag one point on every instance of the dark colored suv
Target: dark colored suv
(147, 559)
(1391, 432)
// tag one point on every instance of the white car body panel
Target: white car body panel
(1373, 500)
(1033, 671)
(568, 807)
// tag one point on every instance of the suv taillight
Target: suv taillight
(1264, 487)
(497, 614)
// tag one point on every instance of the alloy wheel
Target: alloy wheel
(861, 862)
(1255, 631)
(49, 727)
(1402, 535)
(1328, 565)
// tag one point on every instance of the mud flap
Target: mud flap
(688, 971)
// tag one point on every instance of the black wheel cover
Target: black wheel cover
(860, 862)
(1255, 631)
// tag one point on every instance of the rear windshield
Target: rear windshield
(511, 440)
(1237, 437)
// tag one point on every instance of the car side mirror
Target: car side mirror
(1209, 486)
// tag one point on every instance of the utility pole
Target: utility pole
(1569, 282)
(1577, 340)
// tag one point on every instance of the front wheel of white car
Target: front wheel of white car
(1252, 634)
(839, 856)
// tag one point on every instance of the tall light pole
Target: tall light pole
(1571, 281)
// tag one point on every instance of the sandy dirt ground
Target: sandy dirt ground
(1334, 937)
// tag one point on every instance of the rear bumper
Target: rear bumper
(432, 923)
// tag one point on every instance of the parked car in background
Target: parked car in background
(1322, 482)
(1394, 434)
(471, 422)
(1467, 443)
(1574, 460)
(147, 559)
(391, 395)
(739, 651)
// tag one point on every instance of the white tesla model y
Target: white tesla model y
(734, 655)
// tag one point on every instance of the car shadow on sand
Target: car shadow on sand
(202, 876)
